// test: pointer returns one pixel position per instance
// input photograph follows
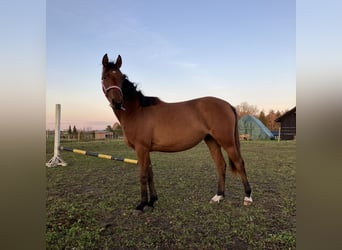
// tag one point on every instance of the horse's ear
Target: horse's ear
(118, 62)
(105, 60)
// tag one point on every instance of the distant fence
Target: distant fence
(85, 136)
(284, 133)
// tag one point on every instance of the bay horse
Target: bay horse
(149, 124)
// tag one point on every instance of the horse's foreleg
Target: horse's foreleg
(146, 177)
(153, 193)
(144, 162)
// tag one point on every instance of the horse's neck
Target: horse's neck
(130, 108)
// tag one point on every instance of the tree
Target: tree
(270, 117)
(109, 128)
(246, 109)
(262, 118)
(116, 125)
(118, 131)
(74, 130)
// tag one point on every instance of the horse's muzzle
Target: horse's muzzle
(117, 105)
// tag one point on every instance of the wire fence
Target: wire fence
(245, 133)
(85, 136)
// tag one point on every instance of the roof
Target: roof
(251, 125)
(291, 111)
(102, 132)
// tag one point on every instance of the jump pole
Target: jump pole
(56, 160)
(103, 156)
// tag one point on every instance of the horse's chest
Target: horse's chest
(129, 142)
(128, 139)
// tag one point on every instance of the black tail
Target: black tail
(237, 141)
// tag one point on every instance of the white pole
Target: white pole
(57, 130)
(56, 160)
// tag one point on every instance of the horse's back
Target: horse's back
(202, 103)
(214, 110)
(203, 111)
(217, 113)
(179, 126)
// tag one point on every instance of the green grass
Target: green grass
(90, 202)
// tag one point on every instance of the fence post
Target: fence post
(279, 134)
(56, 160)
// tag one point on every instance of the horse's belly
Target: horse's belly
(175, 141)
(174, 147)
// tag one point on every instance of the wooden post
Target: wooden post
(279, 134)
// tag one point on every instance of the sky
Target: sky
(240, 51)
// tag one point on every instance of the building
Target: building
(287, 125)
(251, 128)
(102, 135)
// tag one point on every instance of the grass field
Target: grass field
(90, 201)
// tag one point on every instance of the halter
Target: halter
(117, 105)
(105, 90)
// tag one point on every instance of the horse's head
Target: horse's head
(112, 79)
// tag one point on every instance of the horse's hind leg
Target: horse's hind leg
(237, 164)
(216, 153)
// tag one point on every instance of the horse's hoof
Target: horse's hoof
(148, 209)
(217, 199)
(247, 201)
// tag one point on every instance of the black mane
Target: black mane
(130, 93)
